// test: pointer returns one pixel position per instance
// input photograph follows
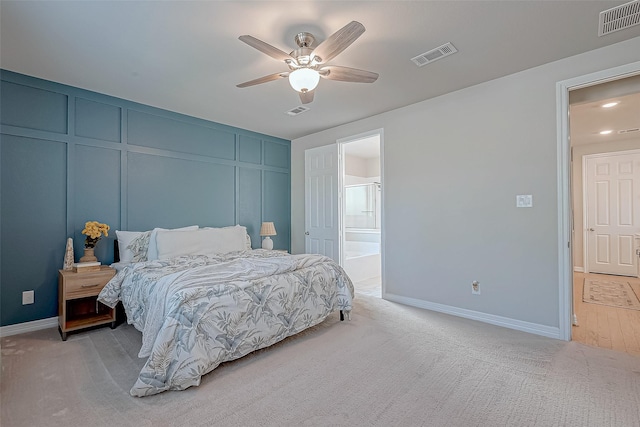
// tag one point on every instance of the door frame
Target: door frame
(341, 143)
(585, 233)
(565, 259)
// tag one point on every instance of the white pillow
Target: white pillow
(152, 252)
(244, 230)
(124, 240)
(209, 241)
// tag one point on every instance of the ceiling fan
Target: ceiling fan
(308, 63)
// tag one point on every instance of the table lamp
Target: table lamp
(267, 229)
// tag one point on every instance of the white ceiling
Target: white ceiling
(591, 118)
(588, 117)
(186, 56)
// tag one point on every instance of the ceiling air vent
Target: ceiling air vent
(434, 54)
(628, 131)
(297, 110)
(619, 17)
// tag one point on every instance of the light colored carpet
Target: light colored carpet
(611, 293)
(391, 365)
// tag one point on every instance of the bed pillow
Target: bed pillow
(152, 253)
(125, 238)
(244, 230)
(139, 247)
(247, 238)
(209, 242)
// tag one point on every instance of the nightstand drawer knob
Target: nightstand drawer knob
(90, 286)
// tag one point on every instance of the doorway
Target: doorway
(605, 199)
(361, 212)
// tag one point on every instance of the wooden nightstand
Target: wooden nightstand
(78, 307)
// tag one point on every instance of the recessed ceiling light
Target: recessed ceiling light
(605, 132)
(610, 104)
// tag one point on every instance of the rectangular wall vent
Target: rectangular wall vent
(619, 17)
(297, 110)
(434, 54)
(628, 131)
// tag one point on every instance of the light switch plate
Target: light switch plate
(524, 201)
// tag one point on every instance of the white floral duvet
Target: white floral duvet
(196, 312)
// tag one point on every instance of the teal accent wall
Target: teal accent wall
(69, 155)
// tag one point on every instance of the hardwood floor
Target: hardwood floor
(370, 286)
(605, 326)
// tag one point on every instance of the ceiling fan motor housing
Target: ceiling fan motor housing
(303, 53)
(304, 39)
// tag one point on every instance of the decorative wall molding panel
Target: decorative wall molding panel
(69, 155)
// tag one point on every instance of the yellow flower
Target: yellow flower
(104, 228)
(95, 230)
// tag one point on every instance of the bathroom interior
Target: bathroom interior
(362, 215)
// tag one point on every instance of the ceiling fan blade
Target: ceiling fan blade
(337, 42)
(263, 47)
(265, 79)
(346, 74)
(306, 97)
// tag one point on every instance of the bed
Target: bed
(204, 301)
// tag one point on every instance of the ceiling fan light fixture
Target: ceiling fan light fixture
(304, 79)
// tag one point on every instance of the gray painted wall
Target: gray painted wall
(452, 168)
(68, 156)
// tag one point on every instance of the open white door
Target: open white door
(612, 198)
(321, 219)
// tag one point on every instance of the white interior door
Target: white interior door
(322, 231)
(612, 198)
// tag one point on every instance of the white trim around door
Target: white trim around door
(352, 138)
(565, 263)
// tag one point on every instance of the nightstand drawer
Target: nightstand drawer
(87, 284)
(84, 288)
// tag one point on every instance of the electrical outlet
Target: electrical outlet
(475, 287)
(27, 297)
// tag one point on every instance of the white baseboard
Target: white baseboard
(578, 269)
(21, 328)
(519, 325)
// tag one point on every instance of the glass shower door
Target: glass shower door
(360, 206)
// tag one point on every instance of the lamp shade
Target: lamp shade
(268, 229)
(304, 79)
